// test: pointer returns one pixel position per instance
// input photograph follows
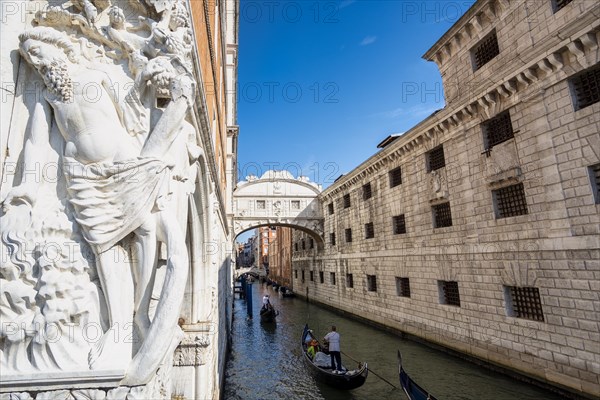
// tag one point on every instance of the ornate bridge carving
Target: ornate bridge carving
(277, 199)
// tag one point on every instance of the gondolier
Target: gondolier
(333, 338)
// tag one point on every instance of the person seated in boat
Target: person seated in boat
(313, 347)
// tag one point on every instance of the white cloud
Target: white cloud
(368, 40)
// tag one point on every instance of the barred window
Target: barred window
(449, 293)
(348, 235)
(321, 279)
(303, 244)
(332, 277)
(371, 283)
(312, 276)
(311, 243)
(367, 192)
(510, 201)
(349, 281)
(485, 51)
(395, 176)
(586, 87)
(402, 287)
(559, 4)
(330, 207)
(295, 204)
(435, 159)
(302, 275)
(346, 200)
(296, 274)
(399, 224)
(524, 302)
(332, 238)
(594, 172)
(261, 204)
(442, 216)
(497, 130)
(295, 246)
(369, 231)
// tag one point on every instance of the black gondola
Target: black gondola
(268, 314)
(346, 381)
(410, 387)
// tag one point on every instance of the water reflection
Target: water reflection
(265, 360)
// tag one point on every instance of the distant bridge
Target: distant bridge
(278, 199)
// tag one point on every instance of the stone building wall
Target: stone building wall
(548, 251)
(280, 256)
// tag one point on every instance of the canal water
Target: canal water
(265, 361)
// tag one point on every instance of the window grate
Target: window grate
(330, 207)
(348, 233)
(369, 231)
(332, 238)
(321, 278)
(346, 201)
(442, 216)
(349, 280)
(395, 176)
(435, 159)
(497, 130)
(399, 224)
(311, 243)
(402, 287)
(510, 201)
(450, 293)
(595, 180)
(367, 192)
(303, 244)
(332, 277)
(526, 303)
(486, 50)
(559, 4)
(371, 283)
(586, 86)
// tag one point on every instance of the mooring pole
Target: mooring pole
(249, 299)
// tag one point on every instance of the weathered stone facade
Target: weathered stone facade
(490, 247)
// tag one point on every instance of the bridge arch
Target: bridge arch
(278, 199)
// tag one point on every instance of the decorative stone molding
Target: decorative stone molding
(192, 349)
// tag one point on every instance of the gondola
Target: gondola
(410, 387)
(351, 379)
(268, 314)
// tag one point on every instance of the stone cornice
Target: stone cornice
(432, 130)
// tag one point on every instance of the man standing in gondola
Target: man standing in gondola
(333, 338)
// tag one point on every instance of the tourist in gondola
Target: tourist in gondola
(333, 339)
(313, 347)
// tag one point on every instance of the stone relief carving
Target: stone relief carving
(123, 154)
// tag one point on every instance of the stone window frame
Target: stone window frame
(321, 277)
(510, 201)
(449, 293)
(295, 204)
(330, 208)
(367, 191)
(296, 246)
(349, 281)
(594, 174)
(303, 245)
(395, 177)
(497, 130)
(346, 200)
(371, 283)
(436, 158)
(332, 238)
(438, 212)
(332, 278)
(348, 235)
(523, 302)
(402, 286)
(592, 74)
(399, 224)
(487, 45)
(311, 243)
(369, 230)
(261, 204)
(302, 275)
(295, 274)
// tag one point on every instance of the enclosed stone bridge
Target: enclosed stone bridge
(278, 199)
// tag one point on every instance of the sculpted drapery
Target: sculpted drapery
(82, 250)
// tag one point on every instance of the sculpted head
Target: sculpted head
(49, 51)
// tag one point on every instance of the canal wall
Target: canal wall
(478, 229)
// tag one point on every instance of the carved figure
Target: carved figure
(117, 185)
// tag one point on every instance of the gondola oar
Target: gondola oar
(371, 371)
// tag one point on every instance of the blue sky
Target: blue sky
(321, 83)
